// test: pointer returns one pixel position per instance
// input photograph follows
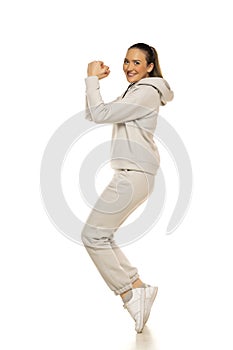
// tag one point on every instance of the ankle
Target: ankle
(126, 296)
(138, 284)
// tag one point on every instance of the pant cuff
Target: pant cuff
(123, 289)
(134, 278)
(128, 287)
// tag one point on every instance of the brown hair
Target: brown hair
(151, 57)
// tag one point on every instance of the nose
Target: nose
(130, 66)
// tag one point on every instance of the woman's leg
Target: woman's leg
(126, 191)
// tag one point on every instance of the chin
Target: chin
(132, 80)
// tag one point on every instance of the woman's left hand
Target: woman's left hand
(98, 68)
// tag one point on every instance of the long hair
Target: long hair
(151, 57)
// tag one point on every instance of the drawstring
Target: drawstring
(152, 86)
(127, 89)
(140, 84)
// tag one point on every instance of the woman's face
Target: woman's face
(135, 65)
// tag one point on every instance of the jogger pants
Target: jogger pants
(126, 191)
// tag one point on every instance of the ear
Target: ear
(150, 67)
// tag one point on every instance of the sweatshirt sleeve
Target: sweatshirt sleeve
(87, 111)
(137, 103)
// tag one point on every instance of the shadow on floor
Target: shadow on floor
(145, 341)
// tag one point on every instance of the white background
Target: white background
(51, 294)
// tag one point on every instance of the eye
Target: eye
(136, 63)
(126, 61)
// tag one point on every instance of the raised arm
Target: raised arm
(137, 103)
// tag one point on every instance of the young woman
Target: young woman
(135, 160)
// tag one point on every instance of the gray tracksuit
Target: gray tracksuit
(134, 119)
(135, 159)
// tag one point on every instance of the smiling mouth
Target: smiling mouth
(130, 74)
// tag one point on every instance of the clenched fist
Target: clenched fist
(98, 68)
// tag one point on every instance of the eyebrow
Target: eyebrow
(132, 60)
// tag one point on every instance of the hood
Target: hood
(161, 85)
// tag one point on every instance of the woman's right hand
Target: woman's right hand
(98, 68)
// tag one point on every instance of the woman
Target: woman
(135, 160)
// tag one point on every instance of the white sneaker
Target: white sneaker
(136, 308)
(150, 294)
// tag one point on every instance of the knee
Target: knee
(85, 236)
(89, 236)
(96, 236)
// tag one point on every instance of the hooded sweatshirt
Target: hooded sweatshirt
(134, 118)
